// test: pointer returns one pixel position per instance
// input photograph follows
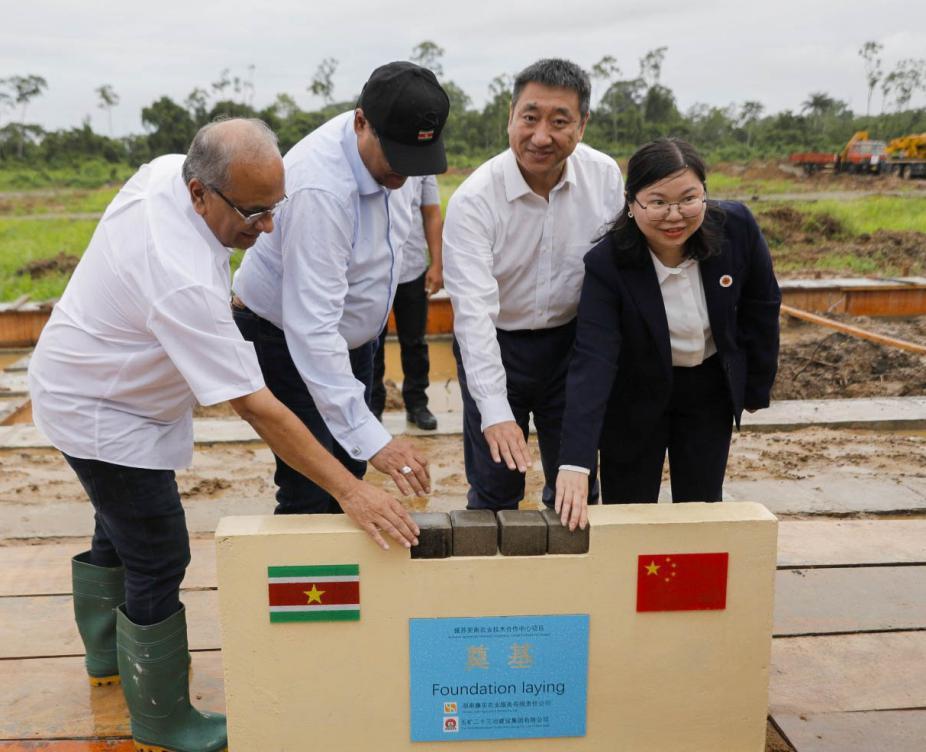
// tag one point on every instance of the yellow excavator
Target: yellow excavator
(908, 147)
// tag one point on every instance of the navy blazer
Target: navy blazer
(620, 376)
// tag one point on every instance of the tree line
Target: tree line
(633, 109)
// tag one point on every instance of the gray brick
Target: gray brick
(560, 540)
(522, 533)
(475, 532)
(435, 541)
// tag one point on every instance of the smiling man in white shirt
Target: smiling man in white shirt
(514, 237)
(314, 294)
(143, 332)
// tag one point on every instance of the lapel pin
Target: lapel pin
(726, 280)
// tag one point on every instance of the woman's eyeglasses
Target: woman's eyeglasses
(658, 209)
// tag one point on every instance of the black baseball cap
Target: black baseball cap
(408, 109)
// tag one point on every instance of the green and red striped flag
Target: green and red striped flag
(314, 593)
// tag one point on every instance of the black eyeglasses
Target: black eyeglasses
(251, 218)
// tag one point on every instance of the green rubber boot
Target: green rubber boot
(97, 592)
(154, 664)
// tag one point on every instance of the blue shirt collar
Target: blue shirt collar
(365, 181)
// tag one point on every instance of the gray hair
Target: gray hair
(558, 73)
(216, 145)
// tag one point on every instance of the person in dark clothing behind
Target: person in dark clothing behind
(677, 334)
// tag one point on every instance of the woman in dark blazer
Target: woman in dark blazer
(677, 334)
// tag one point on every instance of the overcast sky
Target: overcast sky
(719, 51)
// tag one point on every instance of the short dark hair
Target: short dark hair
(649, 164)
(563, 74)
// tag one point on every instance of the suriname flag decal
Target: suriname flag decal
(314, 593)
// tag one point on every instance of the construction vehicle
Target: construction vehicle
(907, 155)
(860, 155)
(904, 156)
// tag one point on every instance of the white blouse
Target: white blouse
(686, 312)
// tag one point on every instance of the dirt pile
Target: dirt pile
(820, 364)
(63, 263)
(820, 181)
(882, 254)
(784, 225)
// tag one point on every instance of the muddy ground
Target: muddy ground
(819, 182)
(814, 363)
(818, 363)
(245, 471)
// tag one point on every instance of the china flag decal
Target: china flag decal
(682, 582)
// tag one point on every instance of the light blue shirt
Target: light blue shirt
(415, 257)
(327, 274)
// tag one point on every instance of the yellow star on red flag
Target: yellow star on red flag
(315, 595)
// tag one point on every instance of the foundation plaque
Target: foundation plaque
(505, 677)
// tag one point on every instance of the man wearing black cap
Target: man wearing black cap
(314, 295)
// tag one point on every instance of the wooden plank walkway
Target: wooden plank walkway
(45, 569)
(49, 698)
(876, 731)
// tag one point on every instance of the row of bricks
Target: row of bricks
(481, 532)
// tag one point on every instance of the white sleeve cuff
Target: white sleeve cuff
(366, 439)
(576, 469)
(494, 410)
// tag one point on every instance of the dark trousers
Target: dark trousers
(411, 320)
(695, 430)
(139, 525)
(296, 494)
(536, 362)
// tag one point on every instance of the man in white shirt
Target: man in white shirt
(143, 332)
(420, 276)
(314, 294)
(514, 238)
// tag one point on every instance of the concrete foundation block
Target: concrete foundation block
(560, 540)
(435, 541)
(475, 532)
(690, 680)
(521, 533)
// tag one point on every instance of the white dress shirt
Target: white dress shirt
(513, 260)
(686, 312)
(142, 332)
(327, 274)
(415, 253)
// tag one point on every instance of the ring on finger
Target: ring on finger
(405, 470)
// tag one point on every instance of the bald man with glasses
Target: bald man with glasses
(142, 333)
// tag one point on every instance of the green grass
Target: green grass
(720, 185)
(840, 264)
(62, 201)
(92, 174)
(22, 241)
(447, 185)
(871, 213)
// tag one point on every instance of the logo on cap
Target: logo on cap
(426, 135)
